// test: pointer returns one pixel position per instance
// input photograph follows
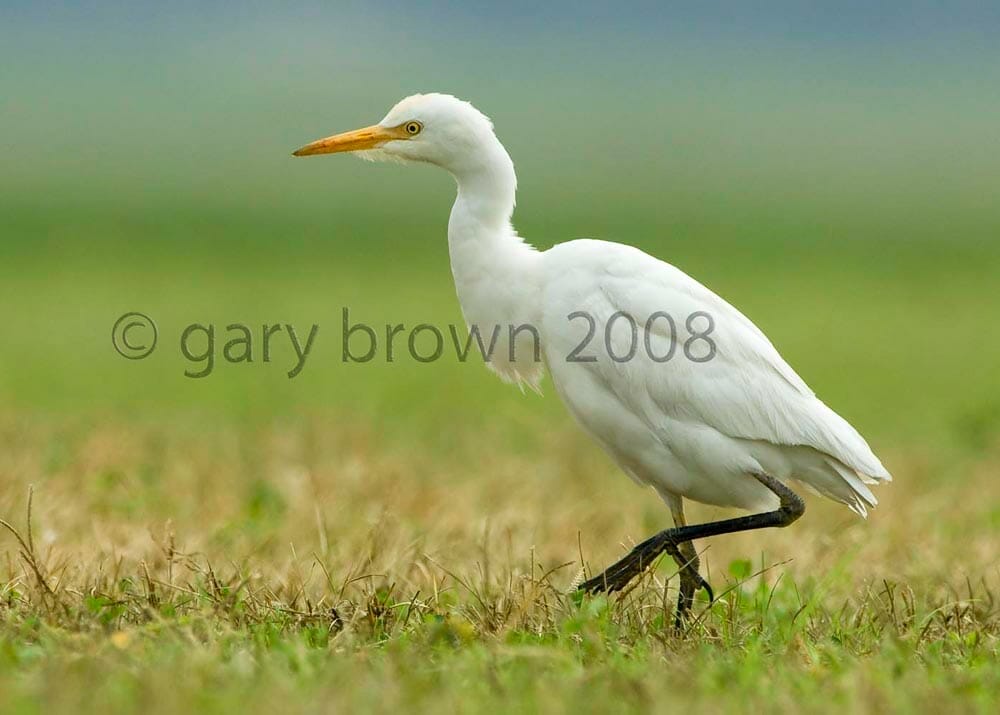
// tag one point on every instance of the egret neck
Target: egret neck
(497, 275)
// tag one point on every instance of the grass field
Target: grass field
(404, 537)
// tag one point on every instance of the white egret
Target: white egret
(684, 392)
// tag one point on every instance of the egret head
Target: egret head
(434, 128)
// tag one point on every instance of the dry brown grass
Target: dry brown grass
(329, 529)
(279, 501)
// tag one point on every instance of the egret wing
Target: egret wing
(723, 372)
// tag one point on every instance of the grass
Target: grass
(405, 537)
(310, 563)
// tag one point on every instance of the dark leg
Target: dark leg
(618, 576)
(689, 584)
(687, 567)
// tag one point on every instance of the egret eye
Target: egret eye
(413, 128)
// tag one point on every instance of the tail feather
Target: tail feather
(837, 481)
(854, 481)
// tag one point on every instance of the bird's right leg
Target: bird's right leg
(687, 563)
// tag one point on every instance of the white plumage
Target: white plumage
(693, 429)
(689, 427)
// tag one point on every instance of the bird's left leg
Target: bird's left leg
(642, 556)
(619, 574)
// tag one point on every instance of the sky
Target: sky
(141, 103)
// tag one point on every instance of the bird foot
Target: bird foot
(617, 576)
(691, 582)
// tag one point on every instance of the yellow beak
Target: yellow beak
(358, 140)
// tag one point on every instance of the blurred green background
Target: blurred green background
(833, 171)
